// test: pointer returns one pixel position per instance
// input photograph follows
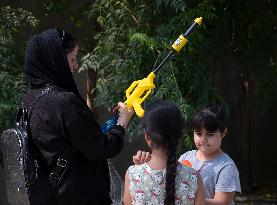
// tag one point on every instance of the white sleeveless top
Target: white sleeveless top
(147, 186)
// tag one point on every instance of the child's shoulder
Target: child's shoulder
(135, 167)
(189, 156)
(226, 159)
(224, 162)
(143, 168)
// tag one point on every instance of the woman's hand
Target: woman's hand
(141, 157)
(125, 115)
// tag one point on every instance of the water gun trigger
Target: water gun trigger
(145, 96)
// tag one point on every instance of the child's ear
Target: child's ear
(224, 132)
(147, 139)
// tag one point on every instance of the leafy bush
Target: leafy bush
(12, 81)
(135, 36)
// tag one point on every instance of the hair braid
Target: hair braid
(171, 165)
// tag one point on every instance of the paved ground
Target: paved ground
(263, 195)
(256, 203)
(255, 200)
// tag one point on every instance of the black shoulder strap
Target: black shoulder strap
(24, 113)
(62, 161)
(45, 91)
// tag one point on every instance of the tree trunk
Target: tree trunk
(245, 138)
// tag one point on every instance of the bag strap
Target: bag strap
(62, 161)
(60, 166)
(24, 114)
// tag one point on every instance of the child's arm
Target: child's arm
(221, 198)
(226, 187)
(200, 196)
(127, 199)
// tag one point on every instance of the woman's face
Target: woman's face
(72, 59)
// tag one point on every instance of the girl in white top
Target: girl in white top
(163, 180)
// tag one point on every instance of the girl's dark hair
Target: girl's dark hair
(68, 41)
(211, 118)
(163, 123)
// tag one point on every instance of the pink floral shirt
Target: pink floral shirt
(147, 186)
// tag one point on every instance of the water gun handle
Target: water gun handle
(135, 93)
(138, 109)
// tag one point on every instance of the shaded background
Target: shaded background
(251, 140)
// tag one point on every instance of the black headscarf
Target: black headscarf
(46, 62)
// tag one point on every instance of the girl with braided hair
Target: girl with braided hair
(162, 180)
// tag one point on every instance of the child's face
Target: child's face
(207, 142)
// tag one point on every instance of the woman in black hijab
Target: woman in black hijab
(61, 122)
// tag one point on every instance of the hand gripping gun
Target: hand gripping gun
(134, 93)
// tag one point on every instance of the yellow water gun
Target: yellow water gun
(137, 89)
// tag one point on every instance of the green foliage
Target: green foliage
(11, 76)
(143, 39)
(53, 6)
(135, 36)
